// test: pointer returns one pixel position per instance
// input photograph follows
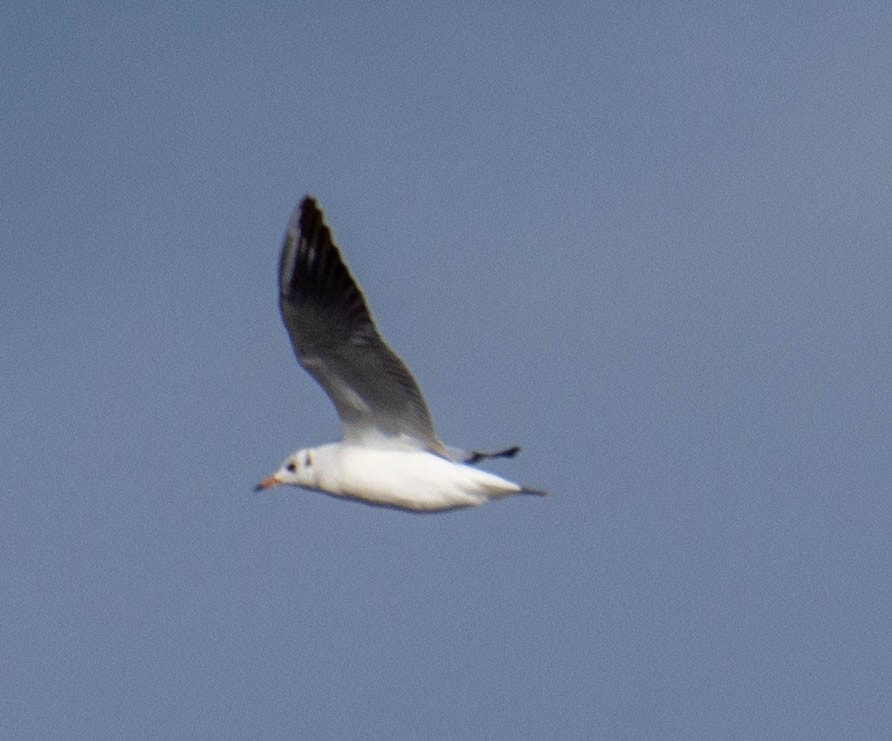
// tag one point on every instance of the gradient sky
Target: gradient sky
(649, 242)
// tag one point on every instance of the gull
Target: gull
(390, 455)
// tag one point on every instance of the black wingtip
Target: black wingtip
(479, 455)
(309, 203)
(304, 213)
(534, 492)
(310, 219)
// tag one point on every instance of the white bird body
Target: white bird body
(391, 455)
(389, 477)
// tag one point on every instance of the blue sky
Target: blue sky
(649, 243)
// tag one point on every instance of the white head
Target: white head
(297, 470)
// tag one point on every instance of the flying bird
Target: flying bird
(390, 455)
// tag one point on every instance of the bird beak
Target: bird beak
(267, 483)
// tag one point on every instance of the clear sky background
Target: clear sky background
(650, 242)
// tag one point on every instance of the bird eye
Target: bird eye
(291, 467)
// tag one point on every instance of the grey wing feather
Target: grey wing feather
(335, 339)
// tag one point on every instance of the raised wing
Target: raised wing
(335, 339)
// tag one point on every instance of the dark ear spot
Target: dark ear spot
(308, 460)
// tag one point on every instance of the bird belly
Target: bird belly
(415, 480)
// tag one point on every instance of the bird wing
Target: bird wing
(335, 339)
